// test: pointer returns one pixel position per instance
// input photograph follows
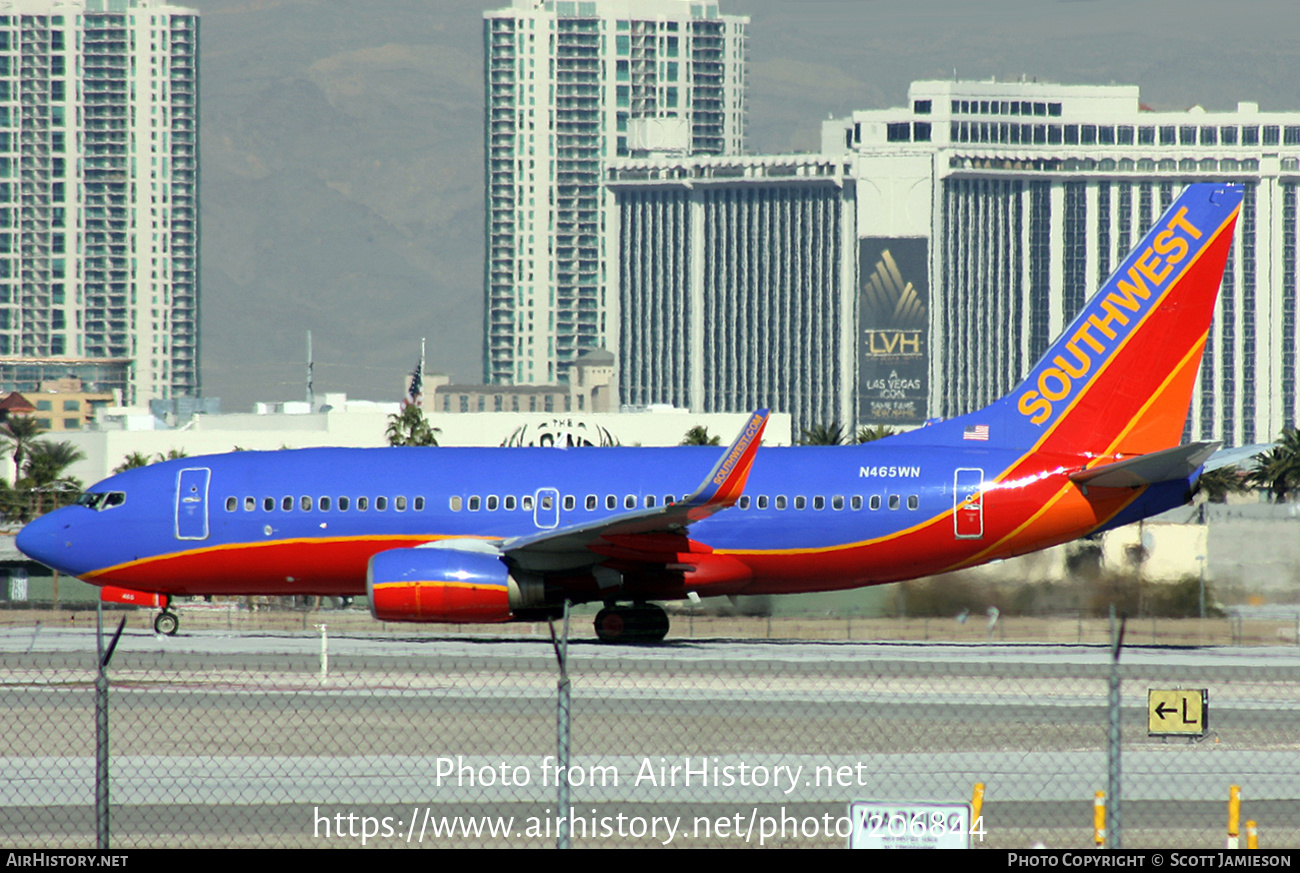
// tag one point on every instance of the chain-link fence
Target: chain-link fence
(262, 739)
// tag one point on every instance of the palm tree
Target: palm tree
(823, 435)
(1278, 470)
(871, 434)
(699, 436)
(409, 428)
(18, 434)
(1216, 485)
(131, 462)
(45, 473)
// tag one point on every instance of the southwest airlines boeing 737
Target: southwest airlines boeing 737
(1090, 440)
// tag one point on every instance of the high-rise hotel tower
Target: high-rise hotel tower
(568, 86)
(99, 195)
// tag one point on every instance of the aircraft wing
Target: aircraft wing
(583, 544)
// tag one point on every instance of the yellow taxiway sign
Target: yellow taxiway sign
(1178, 712)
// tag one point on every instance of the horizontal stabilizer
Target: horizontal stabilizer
(1234, 457)
(1169, 465)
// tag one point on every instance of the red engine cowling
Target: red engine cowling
(446, 585)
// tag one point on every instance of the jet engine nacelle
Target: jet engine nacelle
(446, 585)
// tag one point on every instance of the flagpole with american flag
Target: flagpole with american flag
(415, 393)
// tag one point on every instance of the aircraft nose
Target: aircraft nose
(43, 539)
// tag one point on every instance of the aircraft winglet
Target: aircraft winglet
(572, 547)
(726, 481)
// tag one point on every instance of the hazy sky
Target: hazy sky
(342, 154)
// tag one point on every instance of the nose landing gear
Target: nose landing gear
(641, 623)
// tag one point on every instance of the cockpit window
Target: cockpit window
(101, 500)
(90, 500)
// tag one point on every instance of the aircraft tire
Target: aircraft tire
(645, 623)
(166, 623)
(611, 625)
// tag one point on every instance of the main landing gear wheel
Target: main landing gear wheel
(644, 623)
(166, 623)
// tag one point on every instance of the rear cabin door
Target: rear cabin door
(968, 504)
(192, 503)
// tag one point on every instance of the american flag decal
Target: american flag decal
(976, 432)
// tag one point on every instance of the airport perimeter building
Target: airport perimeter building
(920, 264)
(567, 85)
(99, 240)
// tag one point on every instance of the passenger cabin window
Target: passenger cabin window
(511, 502)
(491, 503)
(399, 503)
(762, 501)
(629, 502)
(305, 502)
(837, 502)
(363, 503)
(287, 504)
(473, 504)
(231, 504)
(800, 502)
(895, 501)
(568, 502)
(913, 501)
(856, 501)
(591, 502)
(381, 503)
(875, 501)
(343, 504)
(611, 502)
(819, 502)
(780, 501)
(743, 503)
(268, 504)
(250, 503)
(324, 504)
(419, 504)
(455, 504)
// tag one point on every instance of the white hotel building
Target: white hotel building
(99, 196)
(1030, 194)
(567, 84)
(920, 263)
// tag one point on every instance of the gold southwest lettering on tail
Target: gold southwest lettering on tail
(1103, 330)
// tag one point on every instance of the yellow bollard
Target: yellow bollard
(977, 801)
(1252, 835)
(1099, 819)
(1234, 815)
